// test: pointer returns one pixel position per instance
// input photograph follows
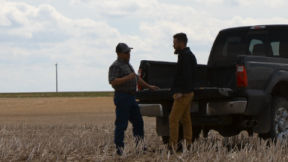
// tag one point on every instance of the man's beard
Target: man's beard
(176, 51)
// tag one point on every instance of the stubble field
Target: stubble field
(81, 129)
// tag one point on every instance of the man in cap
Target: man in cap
(123, 79)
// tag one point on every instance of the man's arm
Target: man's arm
(146, 85)
(187, 70)
(119, 81)
(180, 78)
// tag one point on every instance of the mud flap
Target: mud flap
(162, 126)
(264, 119)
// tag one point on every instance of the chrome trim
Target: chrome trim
(151, 110)
(226, 108)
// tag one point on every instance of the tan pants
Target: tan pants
(181, 113)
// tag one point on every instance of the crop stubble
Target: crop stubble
(81, 129)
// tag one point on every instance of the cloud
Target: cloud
(269, 3)
(245, 3)
(34, 37)
(27, 22)
(45, 28)
(158, 19)
(113, 8)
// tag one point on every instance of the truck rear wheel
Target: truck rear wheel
(279, 125)
(229, 131)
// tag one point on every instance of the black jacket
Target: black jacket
(185, 74)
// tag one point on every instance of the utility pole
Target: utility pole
(56, 77)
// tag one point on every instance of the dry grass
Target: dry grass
(81, 129)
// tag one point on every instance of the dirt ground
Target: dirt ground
(57, 110)
(82, 110)
(54, 119)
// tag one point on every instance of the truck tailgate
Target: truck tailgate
(202, 93)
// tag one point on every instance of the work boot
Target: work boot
(179, 147)
(189, 147)
(120, 151)
(171, 149)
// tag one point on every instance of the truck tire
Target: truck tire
(279, 116)
(205, 132)
(196, 133)
(228, 131)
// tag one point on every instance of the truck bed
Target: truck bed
(202, 93)
(211, 83)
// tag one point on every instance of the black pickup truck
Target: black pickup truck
(244, 86)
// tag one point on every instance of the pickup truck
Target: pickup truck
(244, 85)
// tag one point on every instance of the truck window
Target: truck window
(275, 45)
(254, 43)
(227, 46)
(257, 43)
(230, 45)
(279, 43)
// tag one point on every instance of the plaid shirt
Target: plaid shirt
(120, 69)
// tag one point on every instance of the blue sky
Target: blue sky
(81, 35)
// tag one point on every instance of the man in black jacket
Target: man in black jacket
(182, 91)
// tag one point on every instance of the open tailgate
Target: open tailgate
(202, 93)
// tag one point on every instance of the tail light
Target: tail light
(242, 80)
(140, 75)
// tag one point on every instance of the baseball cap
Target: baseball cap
(123, 48)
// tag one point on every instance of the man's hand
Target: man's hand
(177, 96)
(153, 88)
(146, 85)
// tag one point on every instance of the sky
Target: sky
(81, 35)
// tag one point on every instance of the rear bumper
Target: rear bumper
(211, 109)
(151, 110)
(226, 108)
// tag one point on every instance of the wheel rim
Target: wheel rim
(281, 123)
